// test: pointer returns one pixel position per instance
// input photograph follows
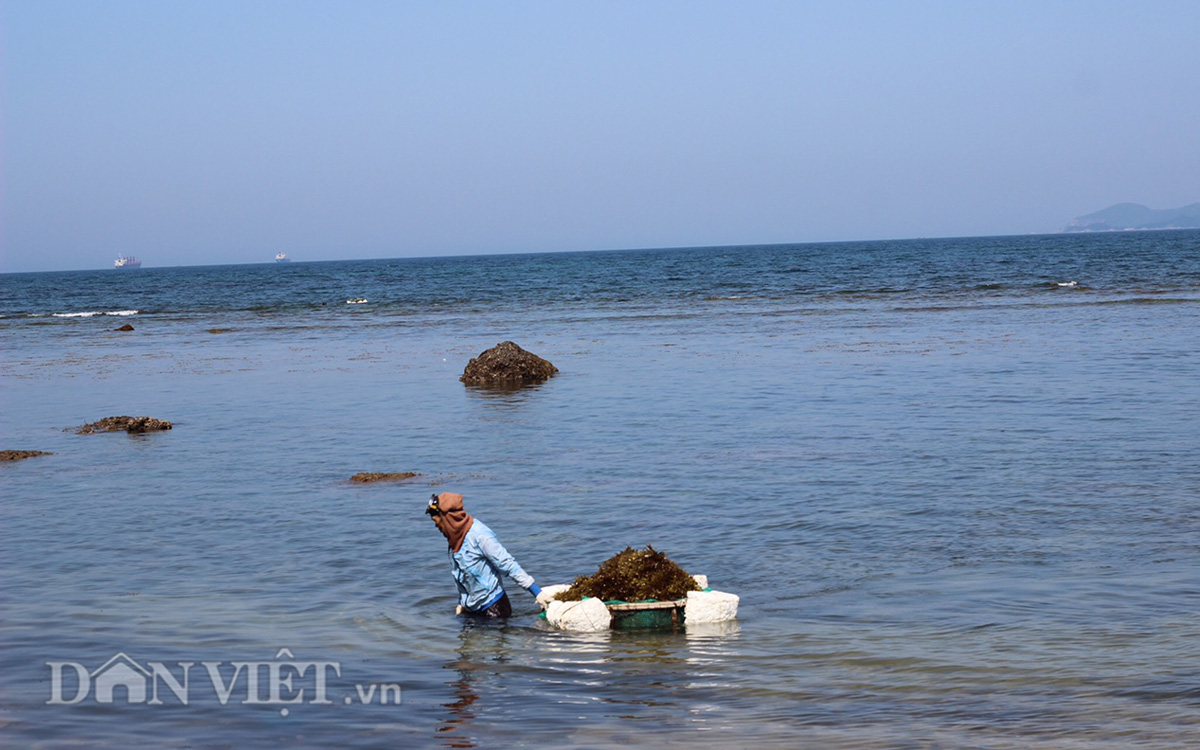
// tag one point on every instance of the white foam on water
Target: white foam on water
(94, 313)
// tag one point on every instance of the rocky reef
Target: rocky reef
(366, 477)
(507, 365)
(132, 425)
(22, 455)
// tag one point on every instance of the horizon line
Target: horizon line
(658, 248)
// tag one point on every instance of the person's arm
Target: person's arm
(456, 574)
(494, 551)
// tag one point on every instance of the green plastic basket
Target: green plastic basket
(647, 615)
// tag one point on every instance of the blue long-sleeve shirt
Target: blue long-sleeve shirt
(477, 567)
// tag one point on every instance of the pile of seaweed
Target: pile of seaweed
(633, 575)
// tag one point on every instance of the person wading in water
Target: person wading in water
(477, 558)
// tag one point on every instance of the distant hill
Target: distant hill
(1136, 216)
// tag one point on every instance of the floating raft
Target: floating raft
(594, 615)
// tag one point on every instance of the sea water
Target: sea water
(956, 484)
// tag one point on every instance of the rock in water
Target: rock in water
(507, 364)
(125, 327)
(21, 455)
(365, 477)
(131, 425)
(633, 575)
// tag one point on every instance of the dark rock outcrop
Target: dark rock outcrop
(133, 425)
(507, 364)
(365, 477)
(125, 327)
(22, 455)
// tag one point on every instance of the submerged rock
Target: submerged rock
(22, 455)
(125, 327)
(364, 477)
(125, 424)
(633, 575)
(507, 364)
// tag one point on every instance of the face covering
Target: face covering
(452, 520)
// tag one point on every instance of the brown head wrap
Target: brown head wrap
(452, 520)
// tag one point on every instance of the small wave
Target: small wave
(93, 314)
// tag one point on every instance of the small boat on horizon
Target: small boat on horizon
(127, 261)
(281, 258)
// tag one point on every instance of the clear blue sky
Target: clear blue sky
(221, 132)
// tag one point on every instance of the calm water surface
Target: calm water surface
(960, 500)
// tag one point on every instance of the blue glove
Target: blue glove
(535, 589)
